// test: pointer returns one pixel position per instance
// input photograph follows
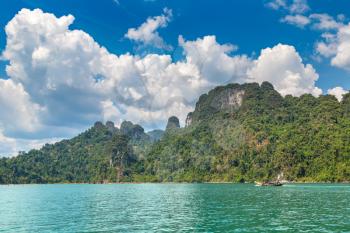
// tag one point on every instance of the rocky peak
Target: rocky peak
(173, 123)
(134, 131)
(126, 126)
(188, 121)
(98, 125)
(233, 98)
(266, 86)
(229, 99)
(110, 126)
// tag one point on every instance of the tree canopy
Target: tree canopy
(236, 133)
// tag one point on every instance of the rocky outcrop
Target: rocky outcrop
(229, 99)
(134, 131)
(110, 126)
(98, 125)
(188, 121)
(173, 123)
(223, 99)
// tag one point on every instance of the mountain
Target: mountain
(250, 132)
(100, 154)
(235, 133)
(155, 135)
(173, 123)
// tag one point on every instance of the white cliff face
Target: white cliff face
(230, 99)
(236, 98)
(188, 120)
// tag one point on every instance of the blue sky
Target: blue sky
(208, 42)
(248, 24)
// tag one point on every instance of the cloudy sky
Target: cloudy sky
(66, 64)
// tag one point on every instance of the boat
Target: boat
(268, 183)
(277, 182)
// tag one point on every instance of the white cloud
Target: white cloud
(326, 50)
(110, 111)
(64, 80)
(299, 6)
(324, 22)
(76, 81)
(277, 4)
(11, 146)
(56, 66)
(296, 15)
(338, 92)
(337, 47)
(17, 112)
(342, 57)
(297, 20)
(293, 7)
(335, 42)
(282, 66)
(214, 61)
(147, 33)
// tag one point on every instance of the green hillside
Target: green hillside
(236, 133)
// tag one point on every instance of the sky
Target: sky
(67, 64)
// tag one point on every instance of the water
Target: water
(174, 208)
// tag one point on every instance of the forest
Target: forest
(236, 133)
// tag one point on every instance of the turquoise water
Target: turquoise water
(174, 208)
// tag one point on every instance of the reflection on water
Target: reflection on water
(174, 207)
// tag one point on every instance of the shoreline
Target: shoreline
(110, 183)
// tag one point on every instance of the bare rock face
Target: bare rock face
(110, 126)
(98, 125)
(230, 99)
(225, 99)
(134, 131)
(173, 123)
(188, 119)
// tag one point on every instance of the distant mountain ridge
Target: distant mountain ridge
(236, 133)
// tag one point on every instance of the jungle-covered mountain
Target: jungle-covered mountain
(236, 133)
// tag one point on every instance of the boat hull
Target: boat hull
(268, 184)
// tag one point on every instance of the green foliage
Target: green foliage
(305, 139)
(95, 156)
(230, 139)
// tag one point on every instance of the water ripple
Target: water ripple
(174, 208)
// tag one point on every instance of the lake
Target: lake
(174, 208)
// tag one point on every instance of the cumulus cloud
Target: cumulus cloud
(336, 47)
(214, 60)
(62, 81)
(283, 67)
(324, 22)
(12, 146)
(297, 20)
(338, 92)
(342, 43)
(76, 81)
(17, 112)
(328, 47)
(335, 38)
(296, 10)
(147, 33)
(56, 66)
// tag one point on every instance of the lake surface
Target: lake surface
(174, 208)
